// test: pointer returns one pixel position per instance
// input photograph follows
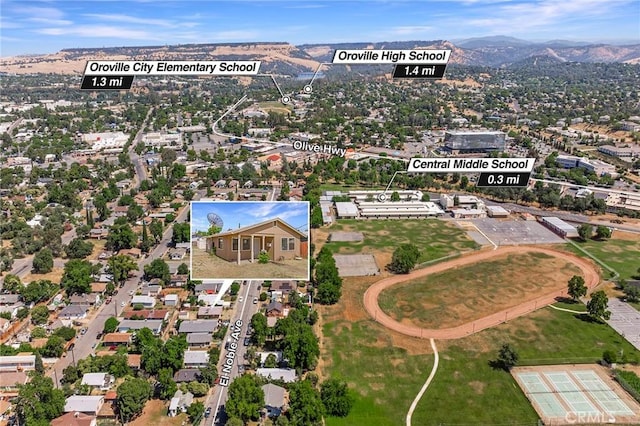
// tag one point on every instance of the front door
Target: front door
(256, 247)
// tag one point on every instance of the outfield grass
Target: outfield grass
(466, 389)
(579, 306)
(621, 255)
(434, 238)
(461, 295)
(275, 106)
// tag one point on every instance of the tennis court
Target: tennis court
(570, 394)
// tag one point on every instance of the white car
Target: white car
(123, 304)
(240, 299)
(255, 300)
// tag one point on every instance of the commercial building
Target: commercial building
(468, 213)
(463, 142)
(158, 140)
(620, 152)
(497, 212)
(399, 210)
(105, 140)
(598, 167)
(559, 226)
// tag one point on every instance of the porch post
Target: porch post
(239, 246)
(252, 237)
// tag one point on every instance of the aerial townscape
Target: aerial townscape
(384, 223)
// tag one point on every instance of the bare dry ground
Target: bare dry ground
(155, 413)
(206, 266)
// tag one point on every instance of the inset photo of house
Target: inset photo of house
(250, 240)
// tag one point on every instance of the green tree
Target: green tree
(168, 386)
(507, 357)
(67, 333)
(585, 231)
(39, 315)
(38, 333)
(336, 398)
(133, 394)
(78, 249)
(146, 243)
(181, 233)
(43, 261)
(121, 236)
(603, 232)
(38, 402)
(110, 325)
(119, 266)
(577, 287)
(404, 259)
(198, 389)
(156, 229)
(260, 329)
(158, 268)
(271, 361)
(38, 291)
(183, 269)
(195, 411)
(12, 284)
(305, 404)
(395, 196)
(597, 306)
(245, 399)
(234, 289)
(54, 347)
(77, 277)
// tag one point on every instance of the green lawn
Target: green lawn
(579, 306)
(621, 255)
(434, 238)
(466, 389)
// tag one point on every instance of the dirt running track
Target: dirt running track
(589, 272)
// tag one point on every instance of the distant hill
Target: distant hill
(285, 58)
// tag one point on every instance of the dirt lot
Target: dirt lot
(206, 266)
(155, 413)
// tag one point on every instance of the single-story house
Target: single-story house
(151, 290)
(282, 288)
(10, 380)
(186, 246)
(186, 375)
(102, 381)
(146, 301)
(134, 252)
(17, 362)
(84, 299)
(117, 339)
(84, 404)
(198, 326)
(98, 233)
(177, 254)
(98, 288)
(274, 309)
(171, 300)
(264, 355)
(201, 340)
(73, 312)
(287, 375)
(134, 361)
(206, 312)
(209, 287)
(9, 299)
(273, 399)
(277, 238)
(196, 359)
(74, 419)
(154, 314)
(178, 280)
(179, 403)
(207, 299)
(154, 325)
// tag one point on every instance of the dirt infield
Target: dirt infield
(590, 273)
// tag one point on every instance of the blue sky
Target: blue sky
(30, 27)
(295, 214)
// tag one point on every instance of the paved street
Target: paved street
(243, 311)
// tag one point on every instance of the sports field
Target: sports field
(276, 106)
(434, 238)
(619, 252)
(464, 294)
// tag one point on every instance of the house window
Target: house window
(288, 244)
(246, 244)
(235, 244)
(220, 243)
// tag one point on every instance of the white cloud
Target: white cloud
(411, 29)
(112, 17)
(98, 31)
(236, 35)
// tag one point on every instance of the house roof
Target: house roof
(158, 314)
(210, 310)
(116, 338)
(196, 357)
(186, 375)
(199, 338)
(73, 419)
(143, 300)
(274, 306)
(95, 379)
(213, 287)
(10, 379)
(83, 403)
(73, 310)
(250, 227)
(134, 360)
(198, 326)
(9, 299)
(287, 375)
(273, 395)
(140, 324)
(283, 285)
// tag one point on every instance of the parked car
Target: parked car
(255, 300)
(207, 412)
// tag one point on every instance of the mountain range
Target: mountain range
(285, 58)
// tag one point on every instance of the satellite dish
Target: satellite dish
(215, 220)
